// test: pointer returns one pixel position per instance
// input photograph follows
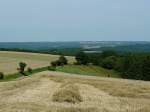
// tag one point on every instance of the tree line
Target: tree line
(130, 65)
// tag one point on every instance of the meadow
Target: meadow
(9, 60)
(62, 92)
(90, 70)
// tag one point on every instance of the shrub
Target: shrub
(82, 58)
(22, 66)
(109, 62)
(53, 64)
(63, 60)
(1, 75)
(29, 70)
(60, 62)
(52, 68)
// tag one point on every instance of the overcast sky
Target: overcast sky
(74, 20)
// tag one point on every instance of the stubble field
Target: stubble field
(9, 60)
(62, 92)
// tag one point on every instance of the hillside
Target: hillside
(90, 70)
(9, 60)
(43, 92)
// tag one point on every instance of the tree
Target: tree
(22, 66)
(146, 69)
(109, 62)
(1, 75)
(95, 58)
(108, 53)
(63, 60)
(136, 67)
(82, 58)
(53, 63)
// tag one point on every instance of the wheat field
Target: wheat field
(9, 60)
(44, 92)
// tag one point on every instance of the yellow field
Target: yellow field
(44, 92)
(9, 60)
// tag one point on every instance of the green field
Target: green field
(88, 70)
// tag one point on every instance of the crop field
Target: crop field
(9, 60)
(63, 92)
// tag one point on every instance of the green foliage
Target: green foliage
(52, 68)
(29, 70)
(130, 66)
(22, 66)
(146, 68)
(135, 66)
(11, 77)
(1, 75)
(54, 63)
(60, 62)
(95, 58)
(82, 58)
(63, 60)
(109, 62)
(108, 53)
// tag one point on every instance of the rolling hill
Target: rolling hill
(44, 92)
(9, 60)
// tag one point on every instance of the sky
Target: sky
(74, 20)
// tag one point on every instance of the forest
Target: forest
(129, 65)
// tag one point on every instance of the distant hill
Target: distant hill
(137, 48)
(71, 48)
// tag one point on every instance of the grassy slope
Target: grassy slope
(88, 70)
(9, 60)
(36, 93)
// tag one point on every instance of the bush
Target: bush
(63, 60)
(60, 62)
(82, 58)
(29, 70)
(1, 75)
(53, 63)
(22, 66)
(56, 63)
(52, 68)
(109, 62)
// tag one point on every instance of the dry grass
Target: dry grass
(113, 86)
(68, 93)
(72, 109)
(35, 94)
(9, 60)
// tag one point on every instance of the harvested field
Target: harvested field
(9, 60)
(36, 93)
